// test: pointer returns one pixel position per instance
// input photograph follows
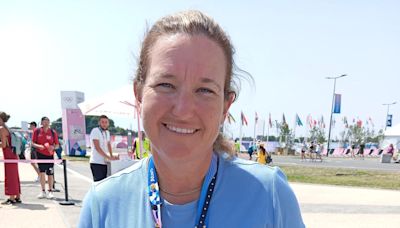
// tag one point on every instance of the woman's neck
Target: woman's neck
(181, 182)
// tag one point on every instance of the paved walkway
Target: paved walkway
(334, 206)
(321, 205)
(32, 212)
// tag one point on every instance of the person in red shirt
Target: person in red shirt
(32, 127)
(45, 140)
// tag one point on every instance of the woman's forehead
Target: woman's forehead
(191, 54)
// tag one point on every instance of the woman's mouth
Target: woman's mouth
(180, 130)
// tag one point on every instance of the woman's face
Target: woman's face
(182, 100)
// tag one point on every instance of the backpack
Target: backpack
(250, 150)
(16, 142)
(37, 131)
(268, 159)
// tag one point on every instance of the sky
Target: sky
(289, 48)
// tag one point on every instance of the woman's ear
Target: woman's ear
(138, 96)
(227, 104)
(138, 92)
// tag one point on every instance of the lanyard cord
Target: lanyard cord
(209, 193)
(104, 136)
(155, 200)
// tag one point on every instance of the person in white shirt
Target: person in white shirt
(101, 149)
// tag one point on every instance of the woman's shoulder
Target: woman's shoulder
(4, 130)
(249, 171)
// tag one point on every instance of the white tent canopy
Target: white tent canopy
(393, 131)
(119, 102)
(392, 135)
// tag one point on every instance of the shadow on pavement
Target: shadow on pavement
(31, 206)
(76, 202)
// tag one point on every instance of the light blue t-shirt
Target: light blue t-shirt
(246, 194)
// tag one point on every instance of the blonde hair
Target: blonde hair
(193, 22)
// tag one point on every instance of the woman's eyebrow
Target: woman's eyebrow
(163, 75)
(203, 80)
(211, 81)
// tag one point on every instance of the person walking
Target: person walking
(353, 147)
(12, 185)
(262, 155)
(45, 141)
(361, 150)
(237, 147)
(251, 150)
(32, 128)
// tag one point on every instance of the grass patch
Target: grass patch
(343, 177)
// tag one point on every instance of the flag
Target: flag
(359, 123)
(337, 99)
(309, 120)
(243, 118)
(256, 118)
(372, 123)
(298, 121)
(389, 120)
(230, 118)
(322, 123)
(346, 124)
(270, 121)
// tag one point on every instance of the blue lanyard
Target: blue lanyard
(205, 197)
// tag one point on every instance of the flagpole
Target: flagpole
(294, 129)
(267, 136)
(254, 139)
(277, 131)
(240, 133)
(263, 132)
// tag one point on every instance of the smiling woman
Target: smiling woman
(184, 86)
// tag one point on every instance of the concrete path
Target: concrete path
(321, 205)
(32, 212)
(337, 206)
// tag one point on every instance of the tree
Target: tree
(270, 138)
(357, 134)
(317, 134)
(286, 135)
(91, 122)
(57, 125)
(374, 138)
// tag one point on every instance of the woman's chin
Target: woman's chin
(179, 153)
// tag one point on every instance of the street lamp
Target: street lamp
(333, 103)
(387, 114)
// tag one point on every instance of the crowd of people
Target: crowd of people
(312, 151)
(41, 144)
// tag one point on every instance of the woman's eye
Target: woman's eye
(205, 90)
(165, 85)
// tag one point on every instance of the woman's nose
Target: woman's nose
(183, 105)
